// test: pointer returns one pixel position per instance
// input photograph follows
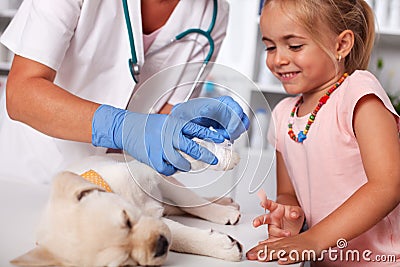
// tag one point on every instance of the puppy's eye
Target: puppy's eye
(84, 193)
(127, 221)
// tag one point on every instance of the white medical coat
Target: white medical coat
(86, 42)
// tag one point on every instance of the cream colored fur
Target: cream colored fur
(83, 225)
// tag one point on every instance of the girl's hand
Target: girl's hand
(286, 250)
(282, 220)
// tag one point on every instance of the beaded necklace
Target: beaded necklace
(303, 134)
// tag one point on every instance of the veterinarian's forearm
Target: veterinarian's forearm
(166, 109)
(34, 99)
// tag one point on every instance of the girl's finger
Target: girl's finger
(274, 231)
(261, 220)
(265, 202)
(261, 194)
(269, 205)
(295, 213)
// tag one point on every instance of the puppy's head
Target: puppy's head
(85, 226)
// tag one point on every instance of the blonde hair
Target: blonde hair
(337, 15)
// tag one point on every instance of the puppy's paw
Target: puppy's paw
(227, 158)
(224, 247)
(227, 215)
(225, 201)
(208, 243)
(230, 215)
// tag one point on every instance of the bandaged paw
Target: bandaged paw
(227, 157)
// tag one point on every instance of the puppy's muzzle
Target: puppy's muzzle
(161, 246)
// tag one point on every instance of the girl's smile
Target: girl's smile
(287, 76)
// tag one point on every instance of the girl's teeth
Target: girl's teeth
(287, 75)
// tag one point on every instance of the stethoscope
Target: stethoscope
(133, 62)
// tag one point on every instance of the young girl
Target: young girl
(337, 141)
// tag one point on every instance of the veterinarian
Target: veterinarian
(70, 84)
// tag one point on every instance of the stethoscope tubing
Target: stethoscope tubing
(206, 34)
(133, 61)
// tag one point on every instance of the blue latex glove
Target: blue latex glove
(224, 114)
(152, 139)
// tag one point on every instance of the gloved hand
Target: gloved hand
(152, 138)
(224, 114)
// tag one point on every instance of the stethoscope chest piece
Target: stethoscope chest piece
(135, 70)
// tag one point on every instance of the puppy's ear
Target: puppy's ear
(69, 184)
(38, 256)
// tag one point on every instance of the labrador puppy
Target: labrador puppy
(86, 225)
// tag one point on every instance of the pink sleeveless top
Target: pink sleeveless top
(327, 168)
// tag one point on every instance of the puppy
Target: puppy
(86, 225)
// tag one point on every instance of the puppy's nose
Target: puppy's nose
(161, 246)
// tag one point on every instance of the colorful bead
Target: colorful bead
(324, 99)
(302, 135)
